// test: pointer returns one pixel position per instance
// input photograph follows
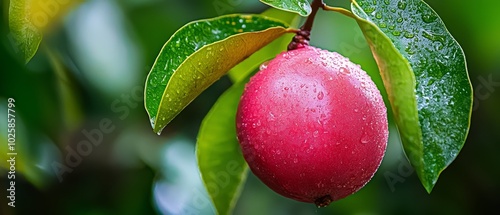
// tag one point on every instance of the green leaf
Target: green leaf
(300, 7)
(425, 75)
(25, 35)
(197, 55)
(270, 51)
(221, 163)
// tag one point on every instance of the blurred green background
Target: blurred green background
(90, 70)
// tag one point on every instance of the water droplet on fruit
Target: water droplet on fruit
(356, 110)
(321, 95)
(320, 185)
(343, 70)
(364, 139)
(315, 134)
(278, 152)
(295, 160)
(264, 65)
(337, 143)
(308, 61)
(287, 55)
(271, 117)
(286, 88)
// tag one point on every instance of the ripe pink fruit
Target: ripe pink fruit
(312, 126)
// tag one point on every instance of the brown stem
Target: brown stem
(302, 38)
(315, 5)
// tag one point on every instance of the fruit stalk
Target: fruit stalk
(302, 38)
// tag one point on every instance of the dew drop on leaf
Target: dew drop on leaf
(164, 80)
(402, 4)
(408, 35)
(428, 18)
(152, 121)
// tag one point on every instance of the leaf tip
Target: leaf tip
(429, 187)
(429, 183)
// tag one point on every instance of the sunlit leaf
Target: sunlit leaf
(197, 55)
(221, 163)
(425, 75)
(270, 51)
(28, 20)
(25, 35)
(300, 7)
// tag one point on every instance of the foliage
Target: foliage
(423, 69)
(422, 66)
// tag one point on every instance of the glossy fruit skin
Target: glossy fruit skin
(312, 126)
